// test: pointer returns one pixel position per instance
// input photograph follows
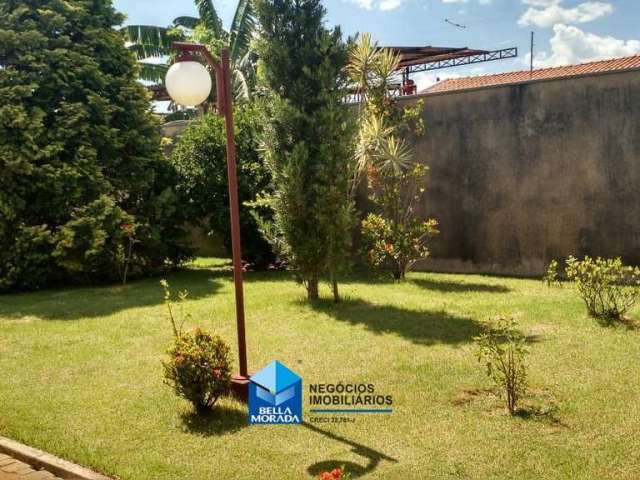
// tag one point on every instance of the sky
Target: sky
(566, 31)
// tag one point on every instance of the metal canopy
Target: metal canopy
(419, 55)
(421, 59)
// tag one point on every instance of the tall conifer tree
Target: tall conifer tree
(308, 137)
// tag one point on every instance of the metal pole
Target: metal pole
(533, 35)
(234, 209)
(239, 383)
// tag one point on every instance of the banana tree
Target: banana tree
(152, 45)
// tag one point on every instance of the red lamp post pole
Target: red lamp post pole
(240, 383)
(242, 379)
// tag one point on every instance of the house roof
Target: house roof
(604, 66)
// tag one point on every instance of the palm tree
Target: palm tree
(152, 45)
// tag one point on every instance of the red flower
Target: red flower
(326, 476)
(336, 473)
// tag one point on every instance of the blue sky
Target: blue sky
(567, 31)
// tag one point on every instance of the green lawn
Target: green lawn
(80, 376)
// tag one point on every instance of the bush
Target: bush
(89, 241)
(402, 247)
(200, 160)
(607, 286)
(80, 152)
(198, 367)
(502, 350)
(551, 277)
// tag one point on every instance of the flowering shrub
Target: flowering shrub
(607, 286)
(198, 367)
(335, 474)
(401, 245)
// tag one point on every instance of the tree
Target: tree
(200, 159)
(152, 44)
(85, 193)
(308, 138)
(394, 234)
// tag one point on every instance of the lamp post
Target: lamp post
(189, 83)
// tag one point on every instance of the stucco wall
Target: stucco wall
(524, 173)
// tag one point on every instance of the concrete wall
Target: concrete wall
(172, 131)
(524, 173)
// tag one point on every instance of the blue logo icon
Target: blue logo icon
(275, 396)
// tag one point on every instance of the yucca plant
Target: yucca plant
(152, 44)
(396, 236)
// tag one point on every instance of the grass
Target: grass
(80, 376)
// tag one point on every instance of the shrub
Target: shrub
(198, 367)
(401, 247)
(89, 241)
(551, 277)
(502, 350)
(200, 160)
(80, 151)
(607, 286)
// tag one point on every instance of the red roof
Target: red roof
(616, 64)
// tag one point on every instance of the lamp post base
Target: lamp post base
(240, 387)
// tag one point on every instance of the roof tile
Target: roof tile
(616, 64)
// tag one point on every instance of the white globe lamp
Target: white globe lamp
(188, 83)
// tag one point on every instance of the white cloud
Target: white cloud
(545, 13)
(366, 4)
(541, 3)
(389, 4)
(386, 5)
(570, 45)
(481, 2)
(383, 5)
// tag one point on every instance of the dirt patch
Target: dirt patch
(540, 405)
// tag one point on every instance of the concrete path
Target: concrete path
(12, 469)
